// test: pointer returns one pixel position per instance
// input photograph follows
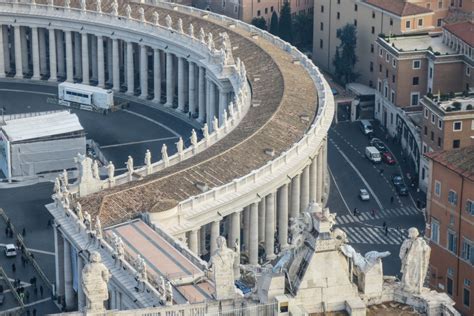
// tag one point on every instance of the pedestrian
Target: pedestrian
(41, 290)
(35, 290)
(189, 114)
(386, 230)
(33, 280)
(10, 233)
(381, 171)
(27, 296)
(13, 268)
(34, 311)
(23, 260)
(418, 203)
(6, 232)
(49, 223)
(23, 232)
(392, 199)
(373, 212)
(384, 224)
(355, 211)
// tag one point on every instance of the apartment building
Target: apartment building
(450, 227)
(246, 10)
(374, 17)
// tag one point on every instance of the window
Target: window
(468, 71)
(431, 73)
(428, 5)
(466, 300)
(394, 63)
(452, 197)
(373, 15)
(432, 118)
(432, 136)
(467, 252)
(271, 9)
(415, 97)
(391, 118)
(392, 99)
(380, 86)
(457, 126)
(452, 241)
(355, 7)
(391, 22)
(393, 78)
(416, 64)
(320, 43)
(426, 113)
(425, 149)
(416, 81)
(371, 67)
(338, 1)
(449, 286)
(439, 22)
(386, 91)
(440, 123)
(338, 15)
(434, 230)
(387, 57)
(437, 188)
(439, 141)
(266, 10)
(322, 9)
(407, 24)
(426, 130)
(420, 22)
(440, 4)
(373, 30)
(322, 26)
(386, 73)
(380, 67)
(456, 143)
(258, 13)
(355, 22)
(371, 48)
(381, 52)
(223, 3)
(236, 8)
(470, 207)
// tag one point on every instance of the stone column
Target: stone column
(61, 61)
(6, 47)
(59, 262)
(304, 189)
(130, 72)
(202, 240)
(69, 58)
(101, 63)
(169, 80)
(246, 235)
(319, 192)
(95, 58)
(156, 75)
(81, 298)
(115, 65)
(313, 175)
(68, 290)
(25, 49)
(52, 56)
(261, 220)
(222, 106)
(35, 53)
(77, 55)
(193, 241)
(283, 216)
(234, 229)
(295, 196)
(110, 66)
(253, 230)
(192, 88)
(2, 56)
(143, 71)
(42, 51)
(269, 226)
(85, 58)
(181, 84)
(18, 50)
(201, 95)
(325, 178)
(214, 234)
(211, 104)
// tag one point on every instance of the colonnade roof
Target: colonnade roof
(283, 91)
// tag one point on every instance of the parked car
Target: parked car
(397, 179)
(401, 189)
(377, 143)
(364, 195)
(10, 250)
(388, 158)
(372, 154)
(366, 127)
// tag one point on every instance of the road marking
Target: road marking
(154, 122)
(337, 187)
(360, 176)
(29, 91)
(44, 252)
(138, 142)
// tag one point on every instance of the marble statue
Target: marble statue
(180, 26)
(164, 155)
(98, 228)
(111, 172)
(364, 263)
(88, 220)
(50, 2)
(66, 203)
(83, 5)
(58, 198)
(210, 42)
(141, 14)
(67, 4)
(128, 11)
(79, 213)
(129, 165)
(156, 18)
(180, 146)
(202, 35)
(95, 277)
(147, 161)
(57, 185)
(140, 265)
(99, 6)
(215, 124)
(205, 131)
(231, 109)
(237, 65)
(33, 2)
(119, 249)
(243, 71)
(415, 256)
(115, 8)
(95, 170)
(191, 30)
(163, 287)
(65, 178)
(194, 139)
(222, 267)
(225, 116)
(169, 293)
(169, 22)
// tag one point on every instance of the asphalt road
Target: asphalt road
(350, 171)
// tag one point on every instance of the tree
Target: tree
(345, 57)
(260, 23)
(274, 24)
(284, 27)
(303, 31)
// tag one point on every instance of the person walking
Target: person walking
(27, 296)
(392, 199)
(386, 230)
(384, 224)
(355, 211)
(41, 290)
(13, 268)
(381, 171)
(373, 212)
(23, 232)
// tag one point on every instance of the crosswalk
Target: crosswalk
(374, 235)
(367, 216)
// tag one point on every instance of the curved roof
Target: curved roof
(284, 91)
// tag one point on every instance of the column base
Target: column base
(143, 96)
(129, 92)
(36, 78)
(53, 79)
(168, 105)
(18, 77)
(86, 83)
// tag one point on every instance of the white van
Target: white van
(10, 250)
(373, 154)
(366, 127)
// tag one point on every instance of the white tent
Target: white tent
(41, 143)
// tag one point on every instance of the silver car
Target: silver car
(364, 195)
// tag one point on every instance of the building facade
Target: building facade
(450, 215)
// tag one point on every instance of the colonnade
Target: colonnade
(264, 224)
(158, 74)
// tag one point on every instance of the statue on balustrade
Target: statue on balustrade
(95, 277)
(222, 267)
(415, 256)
